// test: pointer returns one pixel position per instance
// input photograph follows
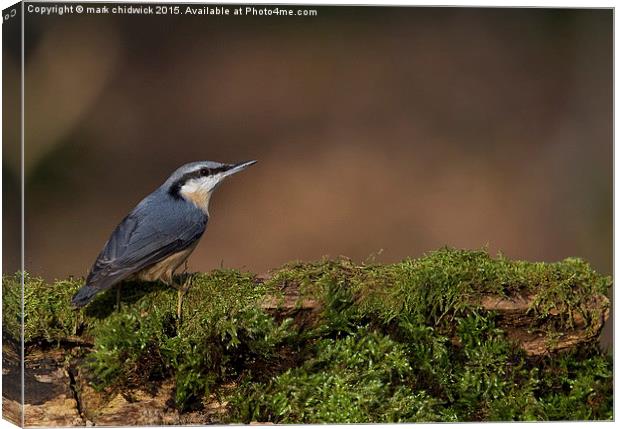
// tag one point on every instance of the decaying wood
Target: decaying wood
(539, 337)
(49, 398)
(57, 394)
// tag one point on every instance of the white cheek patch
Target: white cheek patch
(198, 191)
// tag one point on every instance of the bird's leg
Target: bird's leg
(118, 297)
(179, 303)
(181, 291)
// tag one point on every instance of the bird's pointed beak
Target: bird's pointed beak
(238, 167)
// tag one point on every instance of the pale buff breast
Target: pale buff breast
(164, 269)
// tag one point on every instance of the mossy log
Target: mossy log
(535, 335)
(452, 336)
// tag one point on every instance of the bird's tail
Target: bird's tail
(84, 295)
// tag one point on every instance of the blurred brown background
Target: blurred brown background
(389, 131)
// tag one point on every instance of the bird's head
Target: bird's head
(194, 182)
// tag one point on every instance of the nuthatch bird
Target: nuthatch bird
(160, 233)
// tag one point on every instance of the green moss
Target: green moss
(579, 385)
(398, 342)
(431, 291)
(223, 330)
(367, 377)
(11, 308)
(360, 378)
(47, 311)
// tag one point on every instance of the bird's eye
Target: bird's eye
(205, 171)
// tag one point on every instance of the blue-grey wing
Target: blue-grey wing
(149, 234)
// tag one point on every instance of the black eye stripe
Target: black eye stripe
(203, 172)
(219, 169)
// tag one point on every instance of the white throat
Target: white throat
(198, 192)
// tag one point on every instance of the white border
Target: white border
(479, 3)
